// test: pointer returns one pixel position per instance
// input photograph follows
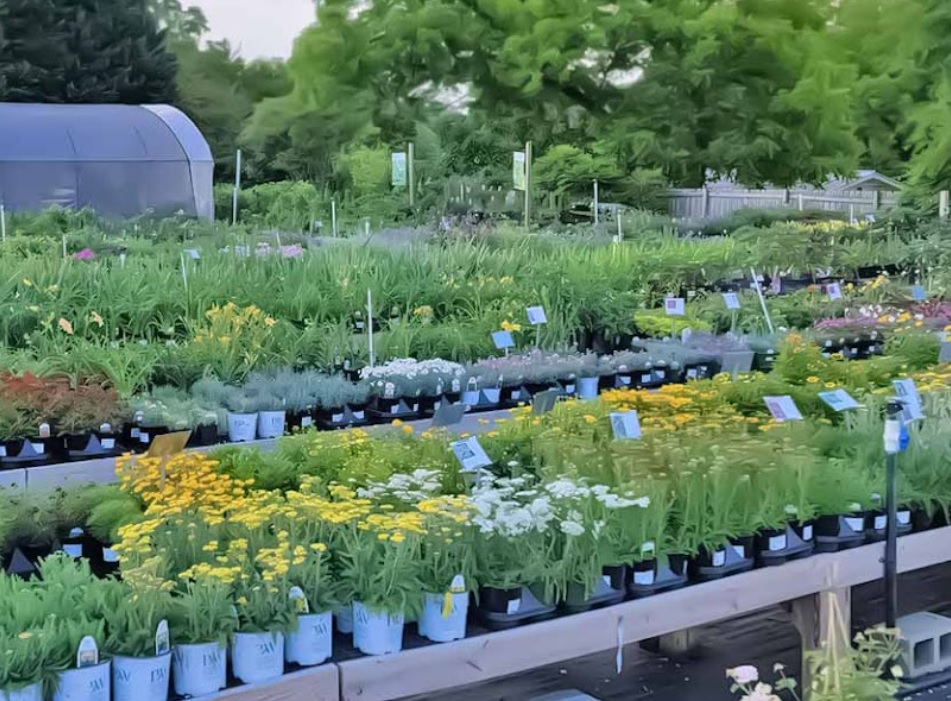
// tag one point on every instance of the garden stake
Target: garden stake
(333, 217)
(762, 301)
(64, 245)
(370, 327)
(237, 188)
(3, 223)
(892, 437)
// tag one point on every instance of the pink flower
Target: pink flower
(294, 251)
(85, 254)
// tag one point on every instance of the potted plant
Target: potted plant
(447, 567)
(137, 639)
(311, 641)
(380, 566)
(26, 639)
(84, 419)
(14, 427)
(339, 402)
(201, 621)
(267, 395)
(242, 416)
(265, 613)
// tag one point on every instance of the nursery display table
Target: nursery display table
(810, 585)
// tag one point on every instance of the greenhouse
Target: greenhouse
(119, 160)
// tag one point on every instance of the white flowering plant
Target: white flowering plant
(514, 536)
(408, 377)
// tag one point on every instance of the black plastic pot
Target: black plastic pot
(26, 452)
(781, 545)
(90, 446)
(204, 435)
(744, 545)
(723, 562)
(875, 525)
(498, 600)
(835, 533)
(609, 589)
(650, 577)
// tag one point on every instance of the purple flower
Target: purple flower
(85, 254)
(295, 251)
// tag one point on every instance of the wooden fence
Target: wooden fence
(707, 205)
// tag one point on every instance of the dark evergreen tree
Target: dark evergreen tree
(83, 51)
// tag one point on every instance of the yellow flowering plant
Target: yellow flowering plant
(447, 546)
(203, 607)
(231, 341)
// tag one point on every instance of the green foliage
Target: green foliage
(69, 51)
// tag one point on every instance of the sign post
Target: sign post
(411, 173)
(237, 187)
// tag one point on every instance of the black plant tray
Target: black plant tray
(666, 578)
(24, 455)
(610, 589)
(96, 447)
(341, 418)
(707, 567)
(392, 409)
(835, 533)
(876, 521)
(530, 609)
(428, 408)
(795, 548)
(484, 403)
(651, 379)
(701, 371)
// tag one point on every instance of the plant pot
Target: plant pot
(588, 387)
(492, 394)
(141, 678)
(203, 435)
(33, 692)
(835, 533)
(26, 452)
(744, 545)
(271, 423)
(300, 421)
(876, 522)
(199, 670)
(439, 628)
(377, 633)
(358, 412)
(85, 684)
(609, 588)
(312, 642)
(148, 433)
(525, 607)
(497, 600)
(344, 616)
(257, 657)
(242, 427)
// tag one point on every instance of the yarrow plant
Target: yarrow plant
(408, 377)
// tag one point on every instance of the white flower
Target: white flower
(762, 692)
(572, 528)
(744, 674)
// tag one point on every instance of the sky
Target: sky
(257, 28)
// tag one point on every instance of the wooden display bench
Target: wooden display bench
(809, 585)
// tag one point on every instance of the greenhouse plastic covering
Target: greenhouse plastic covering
(119, 160)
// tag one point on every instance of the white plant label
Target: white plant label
(88, 653)
(108, 443)
(648, 549)
(719, 558)
(944, 351)
(856, 524)
(306, 421)
(918, 293)
(731, 300)
(839, 400)
(911, 400)
(502, 340)
(536, 316)
(881, 522)
(807, 533)
(645, 579)
(513, 606)
(38, 447)
(904, 518)
(777, 543)
(193, 253)
(783, 408)
(298, 600)
(162, 639)
(834, 290)
(625, 425)
(470, 454)
(675, 306)
(389, 391)
(44, 431)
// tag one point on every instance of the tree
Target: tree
(87, 51)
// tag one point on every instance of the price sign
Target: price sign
(675, 306)
(918, 293)
(839, 400)
(834, 290)
(470, 454)
(783, 408)
(503, 339)
(731, 300)
(910, 399)
(625, 425)
(536, 316)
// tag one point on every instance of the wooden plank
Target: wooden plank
(478, 659)
(316, 684)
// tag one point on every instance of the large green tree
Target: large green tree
(88, 51)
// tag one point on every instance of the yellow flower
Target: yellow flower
(24, 635)
(318, 547)
(812, 379)
(397, 422)
(589, 419)
(407, 430)
(511, 326)
(27, 282)
(830, 385)
(66, 326)
(96, 318)
(269, 321)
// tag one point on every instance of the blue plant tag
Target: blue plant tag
(903, 438)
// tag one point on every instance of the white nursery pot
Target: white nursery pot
(33, 692)
(312, 642)
(85, 684)
(470, 397)
(376, 633)
(198, 670)
(242, 427)
(141, 678)
(257, 657)
(271, 423)
(344, 616)
(440, 629)
(588, 387)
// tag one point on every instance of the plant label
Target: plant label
(648, 549)
(834, 290)
(193, 253)
(839, 400)
(783, 408)
(513, 606)
(162, 639)
(777, 543)
(458, 585)
(719, 558)
(731, 300)
(907, 394)
(881, 522)
(625, 425)
(904, 518)
(389, 391)
(298, 600)
(448, 415)
(675, 306)
(944, 352)
(645, 579)
(918, 293)
(544, 402)
(470, 454)
(44, 431)
(856, 523)
(503, 339)
(807, 533)
(536, 316)
(87, 655)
